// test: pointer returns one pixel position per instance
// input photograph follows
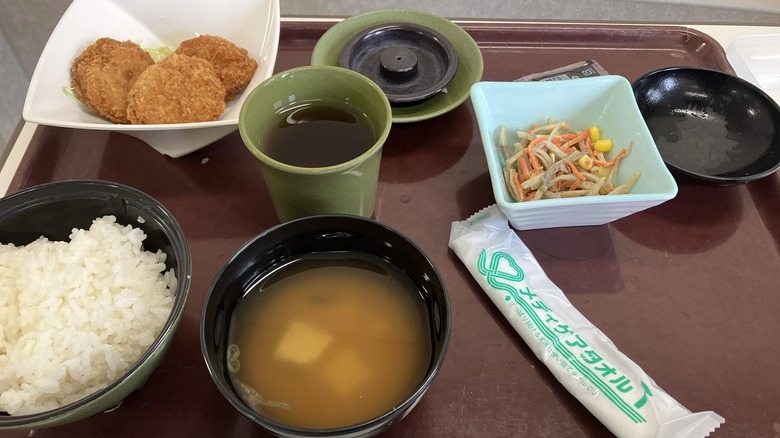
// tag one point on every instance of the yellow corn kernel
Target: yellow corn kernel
(602, 171)
(595, 135)
(585, 162)
(603, 145)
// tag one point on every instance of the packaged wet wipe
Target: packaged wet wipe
(609, 384)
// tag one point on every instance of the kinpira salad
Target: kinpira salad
(556, 161)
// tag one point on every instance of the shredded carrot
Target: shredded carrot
(517, 186)
(574, 185)
(575, 140)
(569, 150)
(516, 182)
(524, 168)
(620, 155)
(537, 140)
(613, 161)
(576, 172)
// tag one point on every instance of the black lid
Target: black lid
(409, 62)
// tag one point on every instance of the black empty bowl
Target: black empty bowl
(710, 125)
(282, 245)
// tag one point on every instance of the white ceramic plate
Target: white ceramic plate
(251, 24)
(756, 58)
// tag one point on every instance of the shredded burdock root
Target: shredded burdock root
(553, 161)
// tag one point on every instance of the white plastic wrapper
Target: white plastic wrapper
(609, 384)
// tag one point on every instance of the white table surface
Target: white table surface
(723, 34)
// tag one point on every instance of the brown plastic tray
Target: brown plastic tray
(687, 289)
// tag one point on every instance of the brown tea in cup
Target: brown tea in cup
(317, 133)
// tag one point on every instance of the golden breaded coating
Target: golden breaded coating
(181, 89)
(234, 66)
(101, 76)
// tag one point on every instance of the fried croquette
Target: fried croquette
(233, 65)
(103, 73)
(181, 89)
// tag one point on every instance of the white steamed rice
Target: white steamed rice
(74, 316)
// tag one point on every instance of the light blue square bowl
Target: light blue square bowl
(604, 101)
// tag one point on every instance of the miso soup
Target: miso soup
(329, 340)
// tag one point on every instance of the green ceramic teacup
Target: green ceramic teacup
(344, 188)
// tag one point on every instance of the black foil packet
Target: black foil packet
(582, 69)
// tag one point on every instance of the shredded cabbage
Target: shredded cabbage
(70, 93)
(159, 53)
